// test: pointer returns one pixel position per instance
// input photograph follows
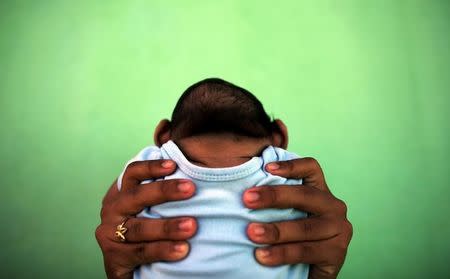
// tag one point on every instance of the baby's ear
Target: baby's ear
(162, 132)
(279, 134)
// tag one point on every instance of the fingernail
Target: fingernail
(272, 166)
(185, 225)
(252, 196)
(185, 186)
(258, 229)
(180, 247)
(262, 253)
(167, 164)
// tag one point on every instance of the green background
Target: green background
(362, 85)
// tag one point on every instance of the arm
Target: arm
(321, 239)
(147, 240)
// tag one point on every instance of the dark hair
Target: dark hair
(214, 105)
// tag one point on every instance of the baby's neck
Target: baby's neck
(221, 150)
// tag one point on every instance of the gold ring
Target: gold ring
(121, 231)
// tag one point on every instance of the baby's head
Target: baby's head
(214, 108)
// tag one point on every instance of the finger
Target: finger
(146, 230)
(307, 169)
(112, 194)
(138, 171)
(154, 193)
(150, 252)
(304, 198)
(121, 259)
(307, 229)
(293, 253)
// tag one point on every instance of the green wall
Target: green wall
(362, 85)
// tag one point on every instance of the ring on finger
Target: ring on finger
(121, 230)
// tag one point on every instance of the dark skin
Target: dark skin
(321, 239)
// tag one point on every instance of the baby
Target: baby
(221, 138)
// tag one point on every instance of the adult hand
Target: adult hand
(321, 239)
(147, 240)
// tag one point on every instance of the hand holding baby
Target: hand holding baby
(321, 239)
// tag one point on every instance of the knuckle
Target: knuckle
(288, 165)
(133, 165)
(167, 190)
(348, 226)
(158, 191)
(166, 228)
(99, 233)
(284, 255)
(305, 193)
(342, 248)
(295, 254)
(130, 167)
(150, 166)
(272, 195)
(144, 253)
(156, 251)
(348, 229)
(109, 249)
(313, 162)
(136, 228)
(291, 255)
(304, 251)
(306, 227)
(134, 192)
(340, 251)
(123, 204)
(105, 211)
(102, 213)
(275, 233)
(341, 207)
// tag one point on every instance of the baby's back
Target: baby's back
(220, 248)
